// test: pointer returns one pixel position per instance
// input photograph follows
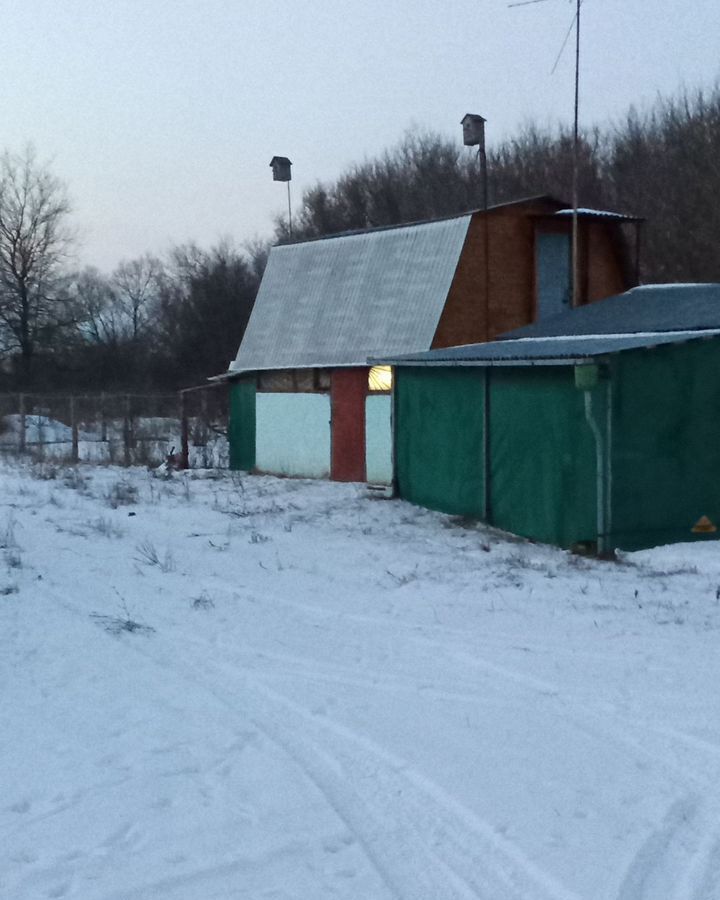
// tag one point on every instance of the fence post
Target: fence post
(21, 435)
(126, 430)
(103, 420)
(184, 432)
(40, 427)
(75, 453)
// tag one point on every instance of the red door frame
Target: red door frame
(348, 390)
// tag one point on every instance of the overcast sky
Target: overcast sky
(162, 115)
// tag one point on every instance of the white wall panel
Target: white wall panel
(378, 439)
(293, 434)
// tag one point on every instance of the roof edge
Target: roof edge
(379, 228)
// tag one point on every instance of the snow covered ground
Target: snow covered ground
(217, 687)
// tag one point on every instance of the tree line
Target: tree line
(161, 323)
(662, 164)
(154, 323)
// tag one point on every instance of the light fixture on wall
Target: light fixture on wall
(380, 378)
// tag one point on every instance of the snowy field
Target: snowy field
(216, 688)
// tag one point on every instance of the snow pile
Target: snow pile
(38, 429)
(219, 687)
(153, 438)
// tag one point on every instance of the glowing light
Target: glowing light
(380, 378)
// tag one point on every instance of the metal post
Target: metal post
(40, 428)
(103, 420)
(75, 454)
(576, 140)
(638, 248)
(289, 212)
(126, 430)
(482, 156)
(22, 437)
(184, 432)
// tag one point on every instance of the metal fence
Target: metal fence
(186, 429)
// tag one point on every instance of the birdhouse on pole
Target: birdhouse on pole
(473, 131)
(281, 168)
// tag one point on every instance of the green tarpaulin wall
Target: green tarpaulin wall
(241, 427)
(542, 456)
(666, 443)
(657, 413)
(543, 473)
(439, 438)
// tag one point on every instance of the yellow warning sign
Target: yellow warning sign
(703, 526)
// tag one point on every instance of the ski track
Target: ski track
(661, 868)
(471, 861)
(615, 728)
(680, 859)
(399, 817)
(469, 853)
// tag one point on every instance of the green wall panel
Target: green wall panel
(666, 443)
(658, 415)
(241, 428)
(438, 438)
(543, 462)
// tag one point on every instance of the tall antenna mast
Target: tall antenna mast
(576, 140)
(576, 161)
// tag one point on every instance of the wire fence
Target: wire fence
(184, 430)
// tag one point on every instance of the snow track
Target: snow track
(680, 859)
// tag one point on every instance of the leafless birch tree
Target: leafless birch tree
(34, 241)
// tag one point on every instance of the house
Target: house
(304, 400)
(599, 427)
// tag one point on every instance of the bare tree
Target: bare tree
(34, 242)
(99, 316)
(205, 304)
(136, 286)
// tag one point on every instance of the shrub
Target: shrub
(122, 493)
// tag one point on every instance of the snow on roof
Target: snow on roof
(680, 335)
(558, 350)
(597, 213)
(646, 309)
(335, 302)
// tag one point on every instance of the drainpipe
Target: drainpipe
(603, 472)
(599, 473)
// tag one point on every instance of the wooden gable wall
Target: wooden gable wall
(511, 238)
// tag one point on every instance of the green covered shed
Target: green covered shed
(608, 440)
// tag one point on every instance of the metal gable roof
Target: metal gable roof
(545, 351)
(340, 300)
(651, 307)
(335, 302)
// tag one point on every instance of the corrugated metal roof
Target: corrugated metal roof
(335, 302)
(651, 307)
(544, 351)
